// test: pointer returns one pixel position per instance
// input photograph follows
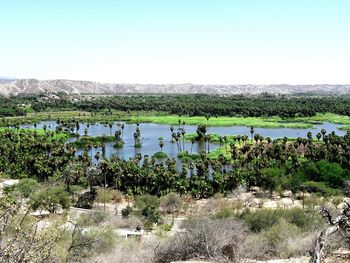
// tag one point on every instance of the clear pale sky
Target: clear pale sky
(177, 41)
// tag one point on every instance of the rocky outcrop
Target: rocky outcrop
(34, 86)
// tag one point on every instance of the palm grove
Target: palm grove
(54, 177)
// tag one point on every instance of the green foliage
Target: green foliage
(331, 173)
(105, 195)
(92, 219)
(147, 206)
(126, 211)
(138, 145)
(32, 154)
(321, 188)
(185, 156)
(265, 218)
(27, 187)
(225, 212)
(84, 141)
(86, 199)
(50, 199)
(84, 244)
(119, 144)
(271, 178)
(160, 155)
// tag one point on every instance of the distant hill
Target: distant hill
(33, 86)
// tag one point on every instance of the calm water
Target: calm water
(151, 132)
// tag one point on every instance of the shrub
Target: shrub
(225, 212)
(104, 195)
(171, 203)
(92, 219)
(321, 188)
(118, 196)
(84, 244)
(126, 211)
(27, 186)
(147, 207)
(118, 145)
(259, 220)
(143, 201)
(331, 173)
(160, 155)
(312, 201)
(214, 239)
(86, 200)
(264, 219)
(278, 241)
(271, 178)
(50, 199)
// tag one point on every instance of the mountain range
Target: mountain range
(10, 87)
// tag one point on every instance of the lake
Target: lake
(151, 132)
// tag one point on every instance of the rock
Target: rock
(287, 193)
(286, 202)
(270, 204)
(9, 183)
(255, 189)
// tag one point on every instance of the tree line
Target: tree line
(203, 105)
(319, 165)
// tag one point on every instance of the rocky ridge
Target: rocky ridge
(33, 86)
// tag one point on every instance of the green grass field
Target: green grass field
(97, 140)
(56, 136)
(164, 118)
(326, 117)
(273, 122)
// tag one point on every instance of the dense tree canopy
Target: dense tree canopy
(205, 105)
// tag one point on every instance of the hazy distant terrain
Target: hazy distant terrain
(34, 86)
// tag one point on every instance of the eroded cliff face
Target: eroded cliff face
(34, 86)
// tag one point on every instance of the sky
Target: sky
(177, 41)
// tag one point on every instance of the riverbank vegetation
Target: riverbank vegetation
(259, 111)
(205, 105)
(57, 174)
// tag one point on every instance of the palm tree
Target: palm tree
(192, 142)
(256, 138)
(77, 126)
(161, 144)
(309, 136)
(319, 136)
(103, 146)
(135, 138)
(97, 156)
(110, 128)
(92, 175)
(207, 140)
(70, 174)
(122, 126)
(251, 133)
(183, 138)
(117, 135)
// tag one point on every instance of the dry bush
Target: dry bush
(128, 251)
(118, 196)
(171, 203)
(204, 238)
(130, 222)
(214, 205)
(283, 240)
